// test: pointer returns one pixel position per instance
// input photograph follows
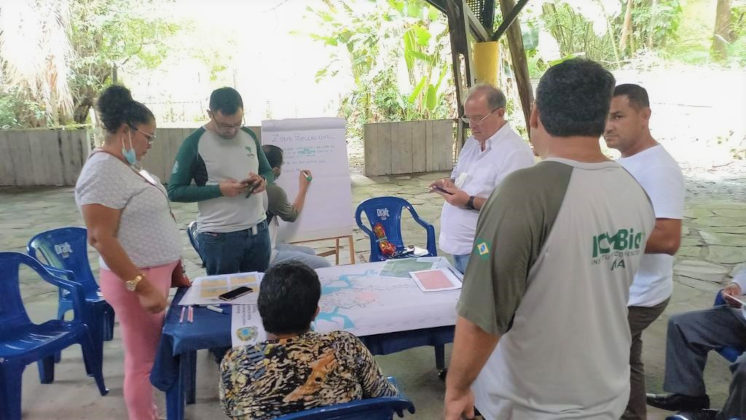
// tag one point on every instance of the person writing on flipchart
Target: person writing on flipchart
(493, 151)
(279, 207)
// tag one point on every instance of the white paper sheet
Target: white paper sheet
(319, 145)
(205, 290)
(246, 326)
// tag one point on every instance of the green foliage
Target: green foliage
(103, 36)
(738, 19)
(110, 34)
(575, 34)
(737, 49)
(373, 39)
(16, 108)
(654, 25)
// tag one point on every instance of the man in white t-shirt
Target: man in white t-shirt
(492, 151)
(627, 130)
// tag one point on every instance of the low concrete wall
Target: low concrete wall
(408, 147)
(42, 156)
(54, 157)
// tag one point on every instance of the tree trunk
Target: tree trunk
(723, 34)
(626, 28)
(651, 28)
(80, 114)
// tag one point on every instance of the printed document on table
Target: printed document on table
(436, 280)
(205, 290)
(246, 326)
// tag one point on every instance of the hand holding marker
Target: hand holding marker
(307, 175)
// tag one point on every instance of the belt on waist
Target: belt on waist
(255, 229)
(258, 227)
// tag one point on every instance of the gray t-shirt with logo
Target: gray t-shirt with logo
(147, 231)
(556, 249)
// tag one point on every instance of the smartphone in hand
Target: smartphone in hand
(250, 186)
(235, 293)
(738, 299)
(436, 188)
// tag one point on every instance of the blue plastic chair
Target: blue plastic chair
(388, 211)
(729, 353)
(64, 252)
(382, 408)
(23, 342)
(192, 234)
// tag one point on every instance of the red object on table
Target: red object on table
(387, 248)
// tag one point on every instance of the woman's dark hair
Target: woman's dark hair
(274, 155)
(288, 298)
(573, 98)
(116, 107)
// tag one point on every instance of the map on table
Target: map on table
(362, 300)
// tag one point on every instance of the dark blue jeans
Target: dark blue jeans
(235, 252)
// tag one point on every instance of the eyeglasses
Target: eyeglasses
(476, 120)
(150, 137)
(223, 126)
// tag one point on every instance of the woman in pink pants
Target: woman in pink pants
(129, 222)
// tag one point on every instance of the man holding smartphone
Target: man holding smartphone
(229, 170)
(492, 152)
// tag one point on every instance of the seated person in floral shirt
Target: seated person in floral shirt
(296, 369)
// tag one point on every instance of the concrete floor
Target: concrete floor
(74, 396)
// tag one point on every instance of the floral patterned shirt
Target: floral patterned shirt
(282, 376)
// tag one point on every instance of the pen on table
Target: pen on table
(190, 315)
(307, 175)
(181, 318)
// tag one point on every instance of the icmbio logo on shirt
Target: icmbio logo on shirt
(623, 240)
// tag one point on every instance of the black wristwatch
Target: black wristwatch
(470, 203)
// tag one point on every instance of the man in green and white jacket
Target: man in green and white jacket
(222, 167)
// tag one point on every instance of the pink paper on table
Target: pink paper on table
(433, 279)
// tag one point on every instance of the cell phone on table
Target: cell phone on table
(440, 189)
(233, 294)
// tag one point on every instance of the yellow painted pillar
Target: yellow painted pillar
(486, 59)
